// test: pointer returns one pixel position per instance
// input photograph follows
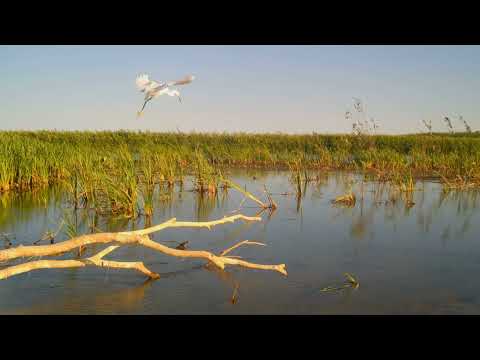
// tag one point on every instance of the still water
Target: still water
(420, 259)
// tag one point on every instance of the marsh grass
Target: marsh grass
(119, 172)
(147, 181)
(69, 220)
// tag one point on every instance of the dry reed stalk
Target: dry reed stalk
(247, 194)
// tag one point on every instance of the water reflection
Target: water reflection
(46, 207)
(406, 247)
(127, 300)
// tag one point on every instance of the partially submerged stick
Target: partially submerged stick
(273, 204)
(351, 283)
(139, 237)
(246, 193)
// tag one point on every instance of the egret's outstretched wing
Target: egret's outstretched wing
(186, 80)
(144, 83)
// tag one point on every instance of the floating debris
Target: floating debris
(352, 280)
(182, 246)
(351, 283)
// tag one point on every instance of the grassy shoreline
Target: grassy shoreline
(113, 167)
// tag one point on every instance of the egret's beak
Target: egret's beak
(139, 113)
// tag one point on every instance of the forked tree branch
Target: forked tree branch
(129, 237)
(139, 237)
(95, 260)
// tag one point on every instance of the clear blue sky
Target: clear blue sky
(238, 88)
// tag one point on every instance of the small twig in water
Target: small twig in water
(182, 245)
(234, 298)
(352, 283)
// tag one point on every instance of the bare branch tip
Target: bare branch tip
(282, 269)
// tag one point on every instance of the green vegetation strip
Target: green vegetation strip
(113, 169)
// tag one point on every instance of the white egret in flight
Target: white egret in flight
(153, 89)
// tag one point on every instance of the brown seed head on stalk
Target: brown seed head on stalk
(448, 122)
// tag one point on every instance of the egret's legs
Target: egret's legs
(139, 113)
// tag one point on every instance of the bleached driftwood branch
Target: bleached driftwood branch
(139, 237)
(95, 260)
(129, 237)
(244, 242)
